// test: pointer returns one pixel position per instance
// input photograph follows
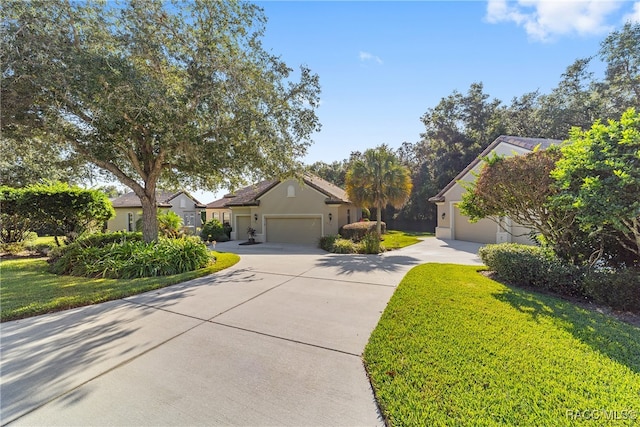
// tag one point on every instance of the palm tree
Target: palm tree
(378, 179)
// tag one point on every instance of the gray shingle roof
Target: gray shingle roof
(518, 141)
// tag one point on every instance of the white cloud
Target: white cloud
(366, 56)
(634, 16)
(544, 20)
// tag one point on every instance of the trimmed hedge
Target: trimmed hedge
(541, 268)
(357, 230)
(619, 289)
(370, 244)
(129, 258)
(532, 266)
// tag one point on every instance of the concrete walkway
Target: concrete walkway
(275, 340)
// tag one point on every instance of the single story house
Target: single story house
(218, 210)
(291, 211)
(129, 209)
(455, 226)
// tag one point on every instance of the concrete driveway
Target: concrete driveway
(275, 340)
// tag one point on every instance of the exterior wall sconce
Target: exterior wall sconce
(255, 216)
(444, 214)
(330, 217)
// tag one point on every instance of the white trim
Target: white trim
(452, 218)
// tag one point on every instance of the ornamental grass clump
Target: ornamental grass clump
(131, 258)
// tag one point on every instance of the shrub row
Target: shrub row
(370, 244)
(540, 268)
(127, 257)
(356, 231)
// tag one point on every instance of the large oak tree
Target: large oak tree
(155, 93)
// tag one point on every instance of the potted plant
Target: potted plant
(252, 234)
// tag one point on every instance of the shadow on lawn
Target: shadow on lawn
(617, 340)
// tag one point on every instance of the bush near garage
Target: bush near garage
(344, 246)
(214, 230)
(358, 230)
(126, 256)
(326, 242)
(370, 244)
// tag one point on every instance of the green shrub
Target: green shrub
(370, 244)
(532, 266)
(326, 242)
(95, 240)
(12, 248)
(15, 221)
(357, 230)
(366, 214)
(619, 289)
(129, 258)
(213, 230)
(344, 246)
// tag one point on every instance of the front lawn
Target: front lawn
(28, 289)
(394, 239)
(454, 348)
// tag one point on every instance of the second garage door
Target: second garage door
(299, 230)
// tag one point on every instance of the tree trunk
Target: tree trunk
(149, 217)
(378, 219)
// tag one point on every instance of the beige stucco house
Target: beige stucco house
(455, 226)
(218, 210)
(291, 211)
(129, 209)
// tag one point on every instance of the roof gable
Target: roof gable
(528, 144)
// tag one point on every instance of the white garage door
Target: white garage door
(299, 230)
(483, 231)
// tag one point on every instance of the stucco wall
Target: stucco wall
(483, 229)
(293, 198)
(181, 205)
(120, 221)
(221, 214)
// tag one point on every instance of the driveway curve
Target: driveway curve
(274, 340)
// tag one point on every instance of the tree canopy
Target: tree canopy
(377, 179)
(599, 179)
(156, 93)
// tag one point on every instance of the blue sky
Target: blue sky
(383, 64)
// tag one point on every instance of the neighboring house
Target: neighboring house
(129, 209)
(290, 211)
(218, 210)
(453, 225)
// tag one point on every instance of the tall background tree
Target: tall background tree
(599, 180)
(155, 93)
(377, 179)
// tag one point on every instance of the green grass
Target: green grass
(28, 289)
(454, 348)
(394, 239)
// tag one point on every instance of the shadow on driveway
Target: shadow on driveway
(351, 264)
(51, 350)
